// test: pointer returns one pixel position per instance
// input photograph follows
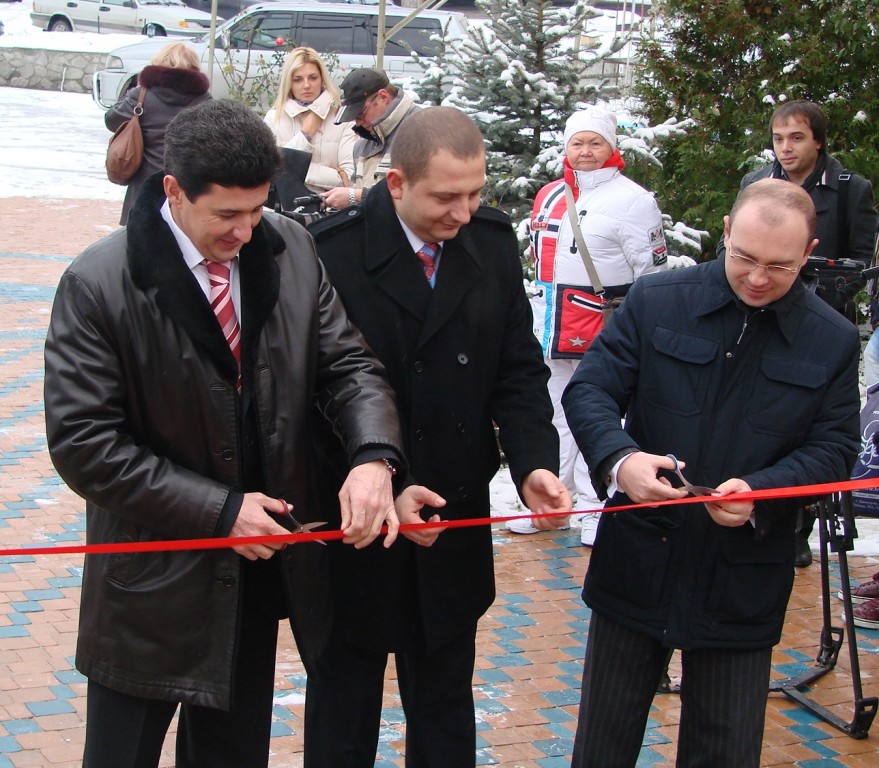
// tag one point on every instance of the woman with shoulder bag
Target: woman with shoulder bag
(592, 233)
(173, 81)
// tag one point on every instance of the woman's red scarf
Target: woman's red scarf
(614, 161)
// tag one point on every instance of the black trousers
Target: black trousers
(723, 701)
(125, 731)
(343, 703)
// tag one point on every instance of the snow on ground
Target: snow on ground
(16, 19)
(52, 145)
(20, 32)
(867, 542)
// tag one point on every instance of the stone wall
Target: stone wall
(49, 70)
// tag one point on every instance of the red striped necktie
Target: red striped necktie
(427, 256)
(224, 309)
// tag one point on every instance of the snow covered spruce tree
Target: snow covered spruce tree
(519, 76)
(728, 65)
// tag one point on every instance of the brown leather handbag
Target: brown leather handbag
(125, 151)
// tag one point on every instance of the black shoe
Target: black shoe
(803, 557)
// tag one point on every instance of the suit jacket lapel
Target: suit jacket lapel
(389, 256)
(260, 281)
(458, 274)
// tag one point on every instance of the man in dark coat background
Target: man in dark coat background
(846, 217)
(453, 329)
(845, 229)
(752, 382)
(167, 433)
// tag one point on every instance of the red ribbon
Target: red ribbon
(292, 538)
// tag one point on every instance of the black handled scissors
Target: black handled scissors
(696, 490)
(294, 526)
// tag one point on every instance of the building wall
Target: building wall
(49, 70)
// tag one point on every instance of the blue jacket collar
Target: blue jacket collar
(717, 293)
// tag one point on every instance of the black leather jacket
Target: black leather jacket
(140, 416)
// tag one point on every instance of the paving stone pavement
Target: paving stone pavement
(530, 644)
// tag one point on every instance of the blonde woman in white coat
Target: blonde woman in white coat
(302, 118)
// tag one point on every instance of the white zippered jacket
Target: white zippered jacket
(621, 226)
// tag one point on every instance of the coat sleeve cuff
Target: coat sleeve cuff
(603, 478)
(229, 514)
(400, 478)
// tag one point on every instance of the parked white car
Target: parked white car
(257, 38)
(143, 17)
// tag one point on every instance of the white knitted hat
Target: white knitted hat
(592, 119)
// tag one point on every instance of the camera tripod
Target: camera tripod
(837, 533)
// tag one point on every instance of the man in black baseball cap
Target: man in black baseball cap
(357, 87)
(377, 109)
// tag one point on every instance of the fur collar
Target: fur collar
(156, 263)
(188, 81)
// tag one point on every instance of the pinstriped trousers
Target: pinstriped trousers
(723, 701)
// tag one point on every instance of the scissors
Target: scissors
(294, 526)
(696, 490)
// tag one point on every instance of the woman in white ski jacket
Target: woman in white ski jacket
(622, 230)
(302, 118)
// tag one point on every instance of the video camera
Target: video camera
(304, 209)
(288, 194)
(837, 282)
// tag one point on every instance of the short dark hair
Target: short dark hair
(778, 198)
(220, 142)
(428, 131)
(805, 110)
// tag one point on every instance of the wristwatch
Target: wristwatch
(352, 197)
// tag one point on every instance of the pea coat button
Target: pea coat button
(227, 581)
(463, 359)
(418, 366)
(462, 492)
(461, 428)
(419, 434)
(228, 454)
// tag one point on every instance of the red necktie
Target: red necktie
(427, 256)
(221, 303)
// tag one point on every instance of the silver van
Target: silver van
(256, 39)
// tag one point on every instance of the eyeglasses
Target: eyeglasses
(370, 100)
(773, 270)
